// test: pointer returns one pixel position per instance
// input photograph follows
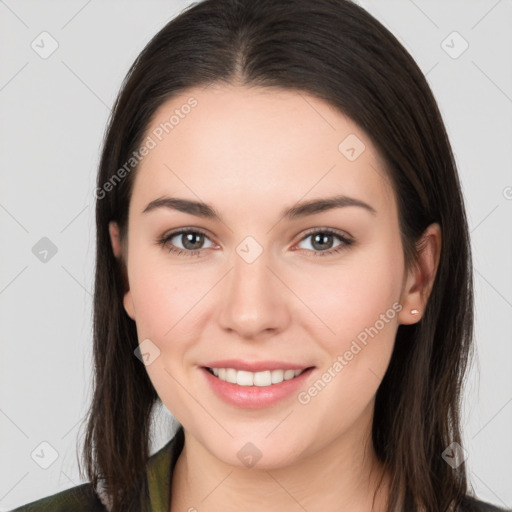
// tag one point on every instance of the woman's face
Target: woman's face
(259, 286)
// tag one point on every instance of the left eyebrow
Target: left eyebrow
(320, 205)
(302, 209)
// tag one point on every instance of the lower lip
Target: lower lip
(255, 397)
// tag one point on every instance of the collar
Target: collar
(160, 467)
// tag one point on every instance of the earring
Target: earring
(414, 312)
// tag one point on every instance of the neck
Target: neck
(343, 475)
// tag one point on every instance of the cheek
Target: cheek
(164, 295)
(358, 301)
(353, 297)
(165, 299)
(359, 304)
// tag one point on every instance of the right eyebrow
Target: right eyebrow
(197, 208)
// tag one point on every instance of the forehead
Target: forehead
(251, 144)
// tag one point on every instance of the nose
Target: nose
(254, 300)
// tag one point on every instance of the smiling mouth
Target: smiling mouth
(255, 379)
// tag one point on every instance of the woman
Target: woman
(283, 261)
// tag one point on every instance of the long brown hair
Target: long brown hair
(336, 51)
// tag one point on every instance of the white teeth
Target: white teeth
(245, 378)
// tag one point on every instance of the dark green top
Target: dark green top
(83, 498)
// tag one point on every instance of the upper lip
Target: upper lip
(255, 366)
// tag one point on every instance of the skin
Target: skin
(250, 152)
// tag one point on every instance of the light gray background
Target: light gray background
(53, 116)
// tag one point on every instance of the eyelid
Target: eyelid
(186, 229)
(338, 232)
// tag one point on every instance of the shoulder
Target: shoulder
(81, 498)
(472, 504)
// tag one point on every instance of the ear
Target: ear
(420, 278)
(115, 241)
(128, 304)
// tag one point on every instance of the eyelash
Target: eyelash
(346, 242)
